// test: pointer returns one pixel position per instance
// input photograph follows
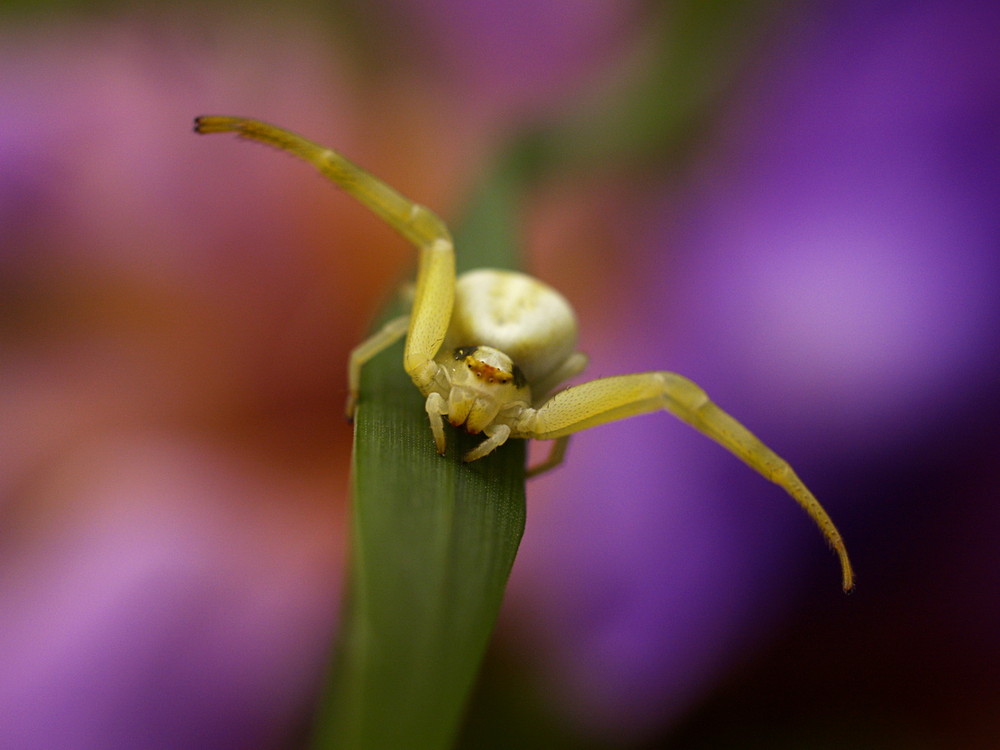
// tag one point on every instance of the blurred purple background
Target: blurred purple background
(172, 358)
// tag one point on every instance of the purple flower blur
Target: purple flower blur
(828, 273)
(152, 615)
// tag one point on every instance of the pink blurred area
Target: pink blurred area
(174, 459)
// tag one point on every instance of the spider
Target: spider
(490, 348)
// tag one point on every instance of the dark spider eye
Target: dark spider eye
(465, 351)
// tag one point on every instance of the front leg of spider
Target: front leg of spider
(435, 287)
(614, 398)
(477, 345)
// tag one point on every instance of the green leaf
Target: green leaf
(433, 542)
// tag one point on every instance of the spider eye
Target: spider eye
(464, 351)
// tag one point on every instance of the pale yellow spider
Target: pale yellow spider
(489, 348)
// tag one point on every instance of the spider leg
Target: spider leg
(555, 457)
(436, 407)
(435, 288)
(610, 399)
(378, 342)
(496, 435)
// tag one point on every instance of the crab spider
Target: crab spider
(489, 349)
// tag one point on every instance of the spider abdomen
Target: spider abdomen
(521, 316)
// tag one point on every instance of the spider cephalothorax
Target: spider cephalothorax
(490, 348)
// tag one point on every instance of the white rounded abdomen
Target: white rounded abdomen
(519, 315)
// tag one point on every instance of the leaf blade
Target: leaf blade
(433, 542)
